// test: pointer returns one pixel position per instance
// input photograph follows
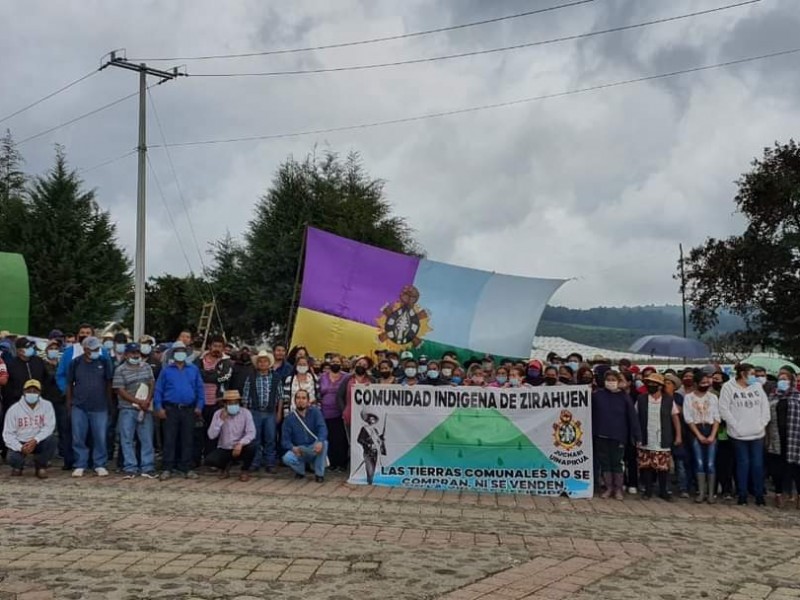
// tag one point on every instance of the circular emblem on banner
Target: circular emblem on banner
(404, 323)
(567, 433)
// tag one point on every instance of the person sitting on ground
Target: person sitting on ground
(28, 430)
(304, 438)
(233, 428)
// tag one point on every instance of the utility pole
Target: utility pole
(115, 60)
(683, 290)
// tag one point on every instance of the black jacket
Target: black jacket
(20, 371)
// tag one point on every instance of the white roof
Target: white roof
(543, 345)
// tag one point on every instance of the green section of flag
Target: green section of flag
(14, 293)
(434, 351)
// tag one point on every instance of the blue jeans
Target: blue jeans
(705, 455)
(266, 448)
(130, 428)
(89, 422)
(42, 454)
(298, 463)
(749, 467)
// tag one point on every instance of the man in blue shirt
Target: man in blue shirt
(304, 438)
(179, 400)
(88, 396)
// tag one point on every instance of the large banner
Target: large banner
(528, 440)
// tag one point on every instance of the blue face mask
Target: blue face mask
(108, 344)
(29, 352)
(574, 366)
(433, 374)
(457, 380)
(32, 398)
(783, 385)
(501, 379)
(179, 356)
(119, 349)
(95, 355)
(146, 348)
(422, 369)
(514, 381)
(752, 380)
(52, 354)
(233, 409)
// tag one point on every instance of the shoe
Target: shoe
(149, 475)
(66, 467)
(666, 497)
(223, 474)
(165, 475)
(244, 476)
(633, 491)
(191, 475)
(16, 472)
(778, 500)
(319, 478)
(609, 485)
(101, 472)
(618, 483)
(298, 476)
(129, 476)
(741, 502)
(684, 494)
(760, 501)
(41, 473)
(270, 470)
(77, 472)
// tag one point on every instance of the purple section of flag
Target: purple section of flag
(352, 280)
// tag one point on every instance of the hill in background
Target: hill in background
(616, 328)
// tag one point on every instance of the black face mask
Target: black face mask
(703, 388)
(653, 388)
(717, 385)
(361, 370)
(587, 381)
(550, 380)
(565, 379)
(386, 374)
(336, 368)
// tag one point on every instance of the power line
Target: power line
(378, 39)
(106, 162)
(480, 52)
(48, 96)
(78, 118)
(471, 109)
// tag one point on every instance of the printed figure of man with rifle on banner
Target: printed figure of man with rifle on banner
(372, 441)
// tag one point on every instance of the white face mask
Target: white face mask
(302, 370)
(612, 385)
(447, 372)
(411, 372)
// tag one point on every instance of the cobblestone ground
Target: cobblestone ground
(278, 538)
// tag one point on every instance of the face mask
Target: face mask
(179, 356)
(501, 379)
(361, 370)
(433, 374)
(146, 349)
(336, 368)
(108, 344)
(783, 385)
(386, 374)
(565, 379)
(302, 370)
(638, 383)
(534, 372)
(761, 380)
(478, 380)
(687, 383)
(447, 372)
(514, 381)
(456, 380)
(233, 409)
(703, 388)
(29, 352)
(717, 385)
(587, 381)
(752, 380)
(395, 364)
(52, 354)
(612, 385)
(411, 372)
(573, 365)
(134, 361)
(95, 355)
(653, 388)
(423, 369)
(32, 398)
(551, 380)
(119, 348)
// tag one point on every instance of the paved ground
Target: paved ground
(277, 538)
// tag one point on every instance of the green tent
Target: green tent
(770, 362)
(14, 293)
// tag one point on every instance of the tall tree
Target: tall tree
(78, 271)
(12, 194)
(756, 274)
(231, 291)
(172, 304)
(326, 192)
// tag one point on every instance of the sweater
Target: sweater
(744, 409)
(25, 422)
(614, 417)
(294, 434)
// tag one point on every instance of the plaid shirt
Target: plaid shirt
(793, 429)
(263, 385)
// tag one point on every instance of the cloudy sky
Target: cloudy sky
(599, 186)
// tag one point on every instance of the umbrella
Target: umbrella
(670, 345)
(770, 362)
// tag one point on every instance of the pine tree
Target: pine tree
(78, 272)
(12, 195)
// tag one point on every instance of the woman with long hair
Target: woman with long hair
(330, 382)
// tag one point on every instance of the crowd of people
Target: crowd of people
(90, 399)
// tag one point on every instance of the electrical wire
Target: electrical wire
(48, 96)
(602, 86)
(429, 59)
(107, 162)
(372, 40)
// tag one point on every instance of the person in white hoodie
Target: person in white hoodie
(744, 407)
(28, 430)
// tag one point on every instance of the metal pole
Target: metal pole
(292, 307)
(683, 290)
(141, 214)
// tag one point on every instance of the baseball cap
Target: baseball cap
(24, 342)
(32, 383)
(92, 343)
(133, 347)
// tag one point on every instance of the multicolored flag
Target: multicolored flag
(358, 298)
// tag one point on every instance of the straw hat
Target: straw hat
(263, 354)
